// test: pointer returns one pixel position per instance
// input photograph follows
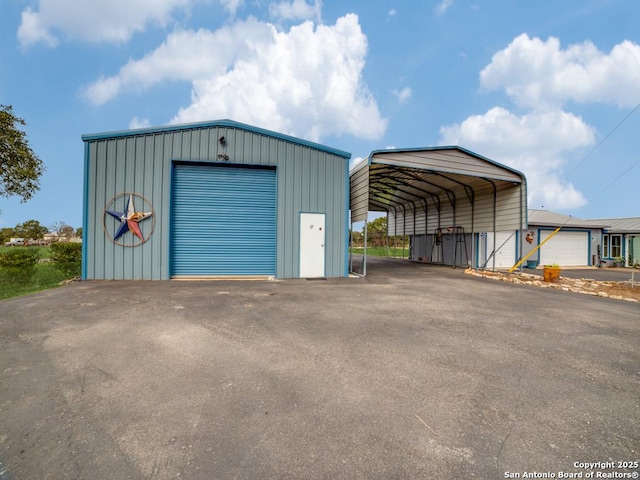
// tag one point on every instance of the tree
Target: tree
(31, 229)
(356, 238)
(79, 232)
(376, 232)
(63, 230)
(6, 234)
(20, 168)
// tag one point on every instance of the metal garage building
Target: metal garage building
(213, 199)
(450, 201)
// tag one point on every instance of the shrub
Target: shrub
(67, 258)
(19, 263)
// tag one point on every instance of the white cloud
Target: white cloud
(32, 30)
(305, 82)
(355, 161)
(540, 74)
(139, 123)
(541, 78)
(535, 143)
(443, 6)
(402, 95)
(296, 10)
(185, 56)
(231, 5)
(393, 12)
(95, 21)
(508, 134)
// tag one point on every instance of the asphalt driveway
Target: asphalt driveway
(414, 372)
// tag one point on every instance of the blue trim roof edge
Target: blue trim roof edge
(214, 123)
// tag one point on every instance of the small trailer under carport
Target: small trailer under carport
(435, 192)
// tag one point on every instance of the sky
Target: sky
(550, 88)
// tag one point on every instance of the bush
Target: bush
(67, 258)
(19, 263)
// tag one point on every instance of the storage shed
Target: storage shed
(451, 202)
(213, 199)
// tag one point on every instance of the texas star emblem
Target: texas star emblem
(129, 219)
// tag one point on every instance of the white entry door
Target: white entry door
(312, 237)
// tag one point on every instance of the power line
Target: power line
(601, 142)
(617, 178)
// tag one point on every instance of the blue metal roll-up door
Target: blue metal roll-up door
(223, 221)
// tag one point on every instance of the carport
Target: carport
(446, 199)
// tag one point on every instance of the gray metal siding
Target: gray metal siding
(507, 213)
(359, 193)
(308, 180)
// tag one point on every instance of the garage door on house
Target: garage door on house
(223, 221)
(565, 248)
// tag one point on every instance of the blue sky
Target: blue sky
(539, 86)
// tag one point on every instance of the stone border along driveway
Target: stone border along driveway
(577, 285)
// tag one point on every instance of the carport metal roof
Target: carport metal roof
(451, 180)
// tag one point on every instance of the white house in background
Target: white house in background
(577, 244)
(621, 238)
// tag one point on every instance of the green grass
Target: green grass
(382, 251)
(46, 276)
(45, 252)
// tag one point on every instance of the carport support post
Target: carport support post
(521, 228)
(495, 203)
(426, 223)
(404, 227)
(387, 230)
(395, 235)
(473, 236)
(413, 230)
(364, 258)
(351, 248)
(386, 236)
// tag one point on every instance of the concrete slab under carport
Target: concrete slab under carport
(416, 371)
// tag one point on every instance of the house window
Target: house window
(616, 246)
(611, 246)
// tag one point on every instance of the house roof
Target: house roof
(547, 218)
(622, 225)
